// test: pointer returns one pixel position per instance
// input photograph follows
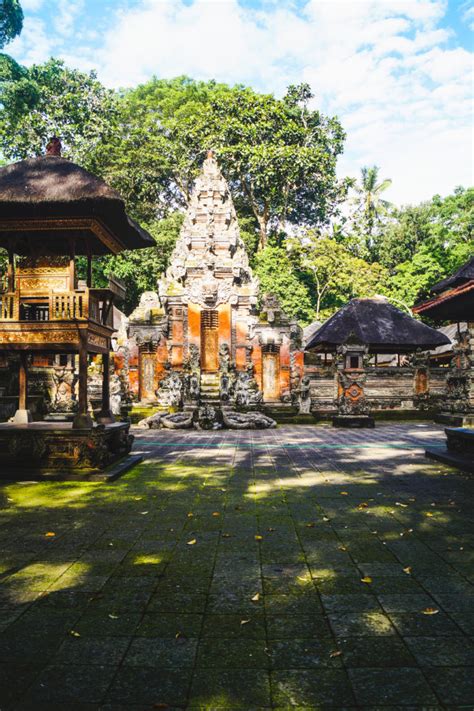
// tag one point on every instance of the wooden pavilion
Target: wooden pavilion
(359, 330)
(453, 300)
(52, 212)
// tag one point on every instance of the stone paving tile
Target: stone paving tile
(227, 572)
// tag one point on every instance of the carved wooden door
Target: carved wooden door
(271, 385)
(209, 340)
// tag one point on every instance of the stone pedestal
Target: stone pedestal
(353, 421)
(459, 450)
(22, 417)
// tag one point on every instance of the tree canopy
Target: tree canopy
(11, 21)
(308, 241)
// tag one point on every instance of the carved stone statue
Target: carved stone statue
(170, 391)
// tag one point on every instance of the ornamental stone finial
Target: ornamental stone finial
(54, 147)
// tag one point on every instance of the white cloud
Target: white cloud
(389, 69)
(31, 5)
(35, 44)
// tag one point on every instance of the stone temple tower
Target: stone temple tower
(206, 318)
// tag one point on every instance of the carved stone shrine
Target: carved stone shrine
(208, 338)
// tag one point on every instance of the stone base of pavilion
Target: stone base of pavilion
(59, 451)
(455, 419)
(459, 451)
(353, 421)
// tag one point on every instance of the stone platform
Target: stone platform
(354, 421)
(459, 451)
(47, 450)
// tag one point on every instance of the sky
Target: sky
(397, 73)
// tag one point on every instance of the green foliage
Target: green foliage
(279, 157)
(277, 275)
(422, 244)
(11, 21)
(333, 274)
(140, 269)
(369, 212)
(50, 99)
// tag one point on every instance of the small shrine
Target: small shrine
(55, 217)
(453, 300)
(207, 341)
(363, 329)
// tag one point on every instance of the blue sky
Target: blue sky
(398, 73)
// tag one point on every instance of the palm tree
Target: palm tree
(371, 207)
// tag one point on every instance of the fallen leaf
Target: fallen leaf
(367, 579)
(270, 530)
(226, 535)
(113, 617)
(363, 505)
(397, 503)
(407, 570)
(215, 513)
(325, 518)
(73, 633)
(344, 493)
(49, 534)
(335, 653)
(430, 611)
(258, 538)
(244, 622)
(192, 542)
(342, 548)
(310, 525)
(143, 513)
(256, 597)
(137, 498)
(190, 514)
(428, 513)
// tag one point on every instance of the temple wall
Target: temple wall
(385, 388)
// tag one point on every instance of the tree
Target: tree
(279, 156)
(11, 21)
(370, 208)
(332, 272)
(50, 99)
(278, 276)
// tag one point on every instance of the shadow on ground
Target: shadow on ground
(298, 567)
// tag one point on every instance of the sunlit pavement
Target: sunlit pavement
(299, 567)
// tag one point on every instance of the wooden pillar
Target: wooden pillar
(105, 416)
(82, 419)
(11, 271)
(72, 265)
(23, 381)
(89, 266)
(23, 415)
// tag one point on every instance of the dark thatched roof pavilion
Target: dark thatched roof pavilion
(38, 194)
(377, 324)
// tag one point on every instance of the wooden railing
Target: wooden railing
(68, 305)
(8, 307)
(79, 305)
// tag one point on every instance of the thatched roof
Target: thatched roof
(378, 324)
(53, 187)
(461, 276)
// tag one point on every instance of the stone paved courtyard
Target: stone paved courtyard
(300, 567)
